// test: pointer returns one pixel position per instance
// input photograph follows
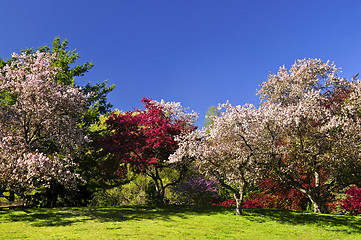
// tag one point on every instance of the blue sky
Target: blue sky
(197, 52)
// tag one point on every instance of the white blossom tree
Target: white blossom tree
(307, 132)
(228, 149)
(38, 124)
(313, 120)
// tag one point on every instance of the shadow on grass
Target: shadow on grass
(326, 221)
(40, 217)
(67, 216)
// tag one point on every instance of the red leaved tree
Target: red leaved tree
(142, 141)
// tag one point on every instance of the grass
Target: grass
(173, 222)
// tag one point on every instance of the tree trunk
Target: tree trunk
(11, 196)
(159, 187)
(2, 190)
(160, 192)
(239, 202)
(51, 195)
(238, 196)
(316, 201)
(316, 204)
(314, 195)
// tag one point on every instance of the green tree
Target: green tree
(210, 114)
(97, 106)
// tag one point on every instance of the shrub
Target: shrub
(227, 203)
(196, 189)
(271, 193)
(247, 203)
(352, 203)
(134, 192)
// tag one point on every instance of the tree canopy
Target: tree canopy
(306, 132)
(144, 139)
(39, 136)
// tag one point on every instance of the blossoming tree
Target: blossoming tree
(306, 132)
(38, 125)
(228, 149)
(315, 127)
(142, 140)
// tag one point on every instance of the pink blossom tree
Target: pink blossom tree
(39, 136)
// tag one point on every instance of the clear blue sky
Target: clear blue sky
(197, 52)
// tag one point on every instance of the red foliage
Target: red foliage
(139, 138)
(275, 194)
(280, 195)
(226, 203)
(352, 203)
(335, 98)
(247, 203)
(250, 203)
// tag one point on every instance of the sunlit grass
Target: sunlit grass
(173, 222)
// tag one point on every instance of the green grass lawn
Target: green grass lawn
(173, 222)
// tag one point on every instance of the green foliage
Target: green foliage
(97, 106)
(3, 62)
(135, 189)
(138, 191)
(7, 99)
(64, 61)
(97, 94)
(212, 112)
(225, 193)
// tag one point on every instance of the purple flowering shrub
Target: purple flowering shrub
(352, 203)
(196, 189)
